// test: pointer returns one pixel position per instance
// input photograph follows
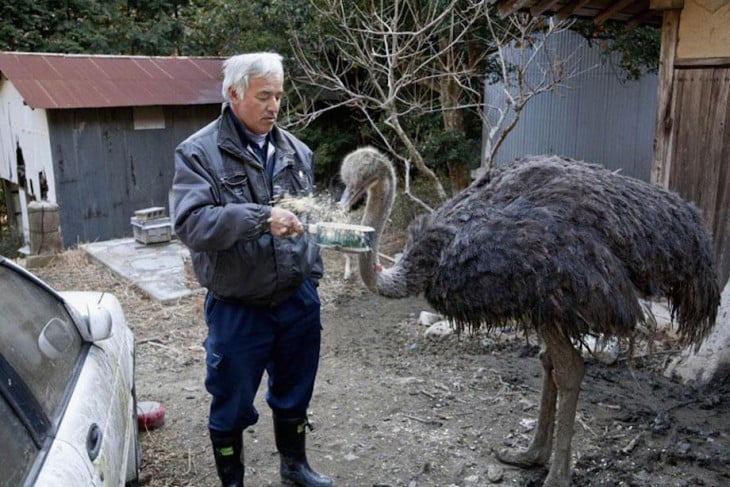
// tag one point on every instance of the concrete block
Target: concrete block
(152, 213)
(426, 318)
(37, 261)
(43, 216)
(45, 242)
(605, 349)
(440, 330)
(711, 363)
(43, 235)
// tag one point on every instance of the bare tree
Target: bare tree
(528, 66)
(391, 59)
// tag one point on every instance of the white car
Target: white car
(67, 398)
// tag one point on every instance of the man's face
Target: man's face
(259, 106)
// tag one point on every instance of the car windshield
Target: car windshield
(37, 338)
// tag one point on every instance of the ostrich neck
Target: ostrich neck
(379, 203)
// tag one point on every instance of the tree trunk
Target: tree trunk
(453, 118)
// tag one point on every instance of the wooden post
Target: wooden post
(664, 130)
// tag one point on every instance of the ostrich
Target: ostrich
(561, 246)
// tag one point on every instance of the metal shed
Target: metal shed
(96, 134)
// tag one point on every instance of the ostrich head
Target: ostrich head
(368, 173)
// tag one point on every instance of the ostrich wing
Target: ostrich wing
(505, 266)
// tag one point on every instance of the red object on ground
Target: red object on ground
(150, 415)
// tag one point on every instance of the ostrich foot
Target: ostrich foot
(558, 480)
(530, 458)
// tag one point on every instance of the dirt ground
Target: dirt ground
(394, 408)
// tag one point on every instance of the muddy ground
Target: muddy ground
(394, 408)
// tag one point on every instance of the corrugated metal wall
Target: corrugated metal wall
(105, 169)
(598, 118)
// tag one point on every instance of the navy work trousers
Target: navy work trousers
(243, 341)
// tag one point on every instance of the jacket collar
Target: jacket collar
(230, 141)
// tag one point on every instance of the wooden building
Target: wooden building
(96, 134)
(691, 153)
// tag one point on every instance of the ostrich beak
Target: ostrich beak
(349, 198)
(354, 193)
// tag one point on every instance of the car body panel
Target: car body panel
(99, 405)
(90, 405)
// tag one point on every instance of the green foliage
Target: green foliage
(9, 242)
(9, 245)
(331, 141)
(151, 27)
(92, 26)
(53, 26)
(224, 28)
(637, 49)
(441, 149)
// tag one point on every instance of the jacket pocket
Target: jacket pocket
(235, 188)
(292, 181)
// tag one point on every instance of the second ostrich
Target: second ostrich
(561, 246)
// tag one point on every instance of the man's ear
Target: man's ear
(232, 93)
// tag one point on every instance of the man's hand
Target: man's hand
(284, 223)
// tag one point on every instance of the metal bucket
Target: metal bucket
(344, 237)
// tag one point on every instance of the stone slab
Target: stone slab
(157, 270)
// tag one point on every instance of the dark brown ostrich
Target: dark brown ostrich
(561, 246)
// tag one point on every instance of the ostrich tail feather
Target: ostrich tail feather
(694, 307)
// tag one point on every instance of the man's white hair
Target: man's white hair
(238, 70)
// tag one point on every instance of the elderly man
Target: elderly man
(260, 269)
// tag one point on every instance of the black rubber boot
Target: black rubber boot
(290, 441)
(228, 453)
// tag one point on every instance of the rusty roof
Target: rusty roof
(95, 81)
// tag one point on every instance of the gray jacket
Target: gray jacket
(222, 201)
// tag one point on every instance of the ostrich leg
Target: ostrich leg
(568, 371)
(538, 453)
